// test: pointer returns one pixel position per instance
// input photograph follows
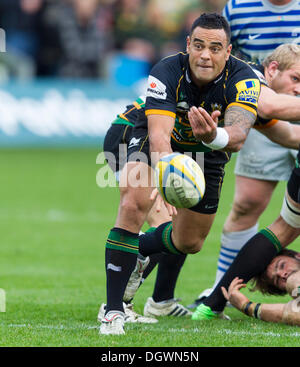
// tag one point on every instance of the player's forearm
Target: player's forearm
(283, 133)
(159, 146)
(288, 313)
(159, 129)
(238, 122)
(278, 106)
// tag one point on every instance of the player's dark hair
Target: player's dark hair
(261, 282)
(212, 21)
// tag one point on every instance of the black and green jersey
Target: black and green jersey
(132, 114)
(172, 92)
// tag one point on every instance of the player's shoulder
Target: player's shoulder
(240, 67)
(176, 60)
(259, 71)
(170, 68)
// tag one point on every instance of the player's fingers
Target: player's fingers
(206, 117)
(225, 293)
(215, 116)
(171, 209)
(154, 194)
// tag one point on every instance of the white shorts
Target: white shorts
(262, 159)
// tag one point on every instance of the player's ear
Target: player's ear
(188, 43)
(272, 69)
(228, 51)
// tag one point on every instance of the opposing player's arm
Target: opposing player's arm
(160, 129)
(283, 133)
(272, 105)
(288, 313)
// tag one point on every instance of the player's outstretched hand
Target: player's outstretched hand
(203, 124)
(233, 294)
(160, 201)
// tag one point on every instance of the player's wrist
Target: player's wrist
(251, 309)
(220, 141)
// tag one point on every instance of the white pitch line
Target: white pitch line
(148, 327)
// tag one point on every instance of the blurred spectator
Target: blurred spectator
(135, 43)
(118, 39)
(19, 19)
(83, 31)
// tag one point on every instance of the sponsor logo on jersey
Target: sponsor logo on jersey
(156, 88)
(248, 91)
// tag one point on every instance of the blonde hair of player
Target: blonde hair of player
(286, 55)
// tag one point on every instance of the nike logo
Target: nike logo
(252, 37)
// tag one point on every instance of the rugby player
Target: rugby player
(282, 276)
(205, 83)
(257, 29)
(260, 250)
(115, 147)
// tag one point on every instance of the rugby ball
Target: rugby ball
(179, 180)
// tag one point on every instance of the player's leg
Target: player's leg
(260, 165)
(250, 200)
(123, 240)
(264, 246)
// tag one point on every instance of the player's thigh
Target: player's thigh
(115, 146)
(136, 185)
(190, 229)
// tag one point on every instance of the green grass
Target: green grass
(53, 223)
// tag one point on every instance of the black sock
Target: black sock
(158, 241)
(252, 259)
(154, 260)
(167, 274)
(120, 260)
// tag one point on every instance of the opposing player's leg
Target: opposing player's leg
(263, 247)
(260, 165)
(250, 200)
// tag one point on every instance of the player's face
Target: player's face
(208, 52)
(280, 269)
(287, 81)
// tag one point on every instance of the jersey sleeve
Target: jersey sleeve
(161, 96)
(243, 90)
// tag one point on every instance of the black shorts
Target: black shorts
(293, 185)
(212, 166)
(115, 145)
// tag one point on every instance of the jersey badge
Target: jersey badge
(248, 91)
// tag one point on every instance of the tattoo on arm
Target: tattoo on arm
(238, 116)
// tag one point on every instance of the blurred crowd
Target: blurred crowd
(118, 40)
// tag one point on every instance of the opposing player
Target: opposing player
(260, 250)
(282, 276)
(183, 90)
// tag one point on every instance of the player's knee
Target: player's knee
(247, 207)
(131, 206)
(191, 245)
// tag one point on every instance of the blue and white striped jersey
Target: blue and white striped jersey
(258, 27)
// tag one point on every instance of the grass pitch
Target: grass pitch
(54, 223)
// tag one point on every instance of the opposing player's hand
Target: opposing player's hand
(160, 201)
(233, 294)
(203, 124)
